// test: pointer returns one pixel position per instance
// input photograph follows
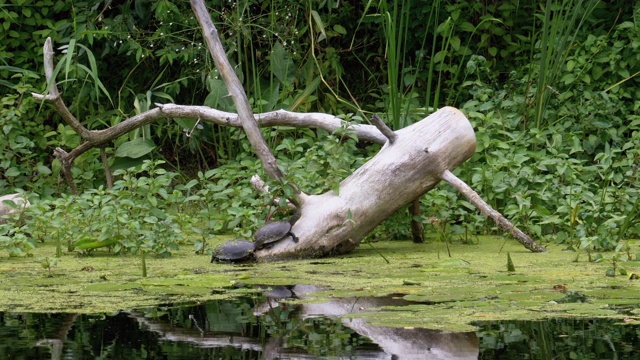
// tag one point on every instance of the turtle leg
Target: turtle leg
(294, 237)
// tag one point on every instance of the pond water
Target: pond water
(261, 327)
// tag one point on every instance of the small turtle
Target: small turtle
(235, 250)
(275, 231)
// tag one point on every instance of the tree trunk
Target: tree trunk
(335, 223)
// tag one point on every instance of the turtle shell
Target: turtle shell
(272, 232)
(234, 250)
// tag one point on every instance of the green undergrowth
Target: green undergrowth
(447, 293)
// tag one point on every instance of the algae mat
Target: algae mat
(447, 293)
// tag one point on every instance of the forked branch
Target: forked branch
(99, 138)
(384, 129)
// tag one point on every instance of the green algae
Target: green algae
(444, 293)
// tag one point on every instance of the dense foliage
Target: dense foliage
(550, 86)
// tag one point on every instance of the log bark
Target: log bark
(420, 156)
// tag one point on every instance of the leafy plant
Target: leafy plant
(48, 264)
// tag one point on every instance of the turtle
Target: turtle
(274, 231)
(235, 250)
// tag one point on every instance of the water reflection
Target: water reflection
(559, 339)
(263, 327)
(400, 343)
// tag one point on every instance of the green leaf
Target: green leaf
(126, 163)
(281, 64)
(439, 56)
(455, 43)
(10, 204)
(597, 72)
(218, 96)
(570, 65)
(70, 49)
(43, 170)
(339, 29)
(191, 184)
(94, 72)
(185, 123)
(12, 172)
(135, 148)
(319, 24)
(151, 219)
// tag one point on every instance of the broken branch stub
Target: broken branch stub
(384, 129)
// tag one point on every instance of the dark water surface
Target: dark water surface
(257, 328)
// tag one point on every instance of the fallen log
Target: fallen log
(420, 156)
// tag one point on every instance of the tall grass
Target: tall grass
(561, 23)
(433, 60)
(395, 25)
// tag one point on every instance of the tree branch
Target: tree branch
(274, 118)
(489, 212)
(105, 165)
(54, 94)
(98, 138)
(249, 124)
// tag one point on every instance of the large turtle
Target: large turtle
(275, 231)
(235, 250)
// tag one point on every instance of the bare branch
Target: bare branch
(54, 94)
(98, 138)
(489, 212)
(66, 160)
(48, 69)
(274, 118)
(236, 91)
